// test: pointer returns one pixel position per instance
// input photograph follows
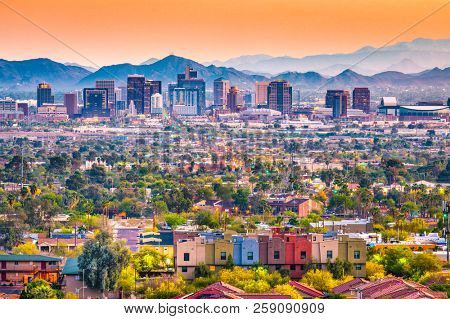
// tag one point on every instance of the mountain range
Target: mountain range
(407, 57)
(25, 75)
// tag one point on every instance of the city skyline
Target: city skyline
(123, 31)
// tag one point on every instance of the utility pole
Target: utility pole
(445, 209)
(21, 170)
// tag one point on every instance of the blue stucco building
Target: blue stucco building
(245, 251)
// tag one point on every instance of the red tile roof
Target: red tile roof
(221, 290)
(349, 286)
(306, 290)
(397, 288)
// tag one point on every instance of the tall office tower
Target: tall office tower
(234, 98)
(361, 99)
(261, 93)
(190, 81)
(297, 97)
(23, 106)
(109, 85)
(339, 100)
(329, 97)
(185, 102)
(44, 94)
(118, 94)
(248, 99)
(279, 96)
(156, 104)
(150, 88)
(95, 103)
(123, 93)
(221, 88)
(135, 92)
(71, 103)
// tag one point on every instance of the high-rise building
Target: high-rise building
(193, 86)
(109, 85)
(156, 104)
(330, 96)
(95, 103)
(44, 94)
(221, 89)
(135, 92)
(150, 88)
(71, 103)
(279, 96)
(234, 99)
(339, 101)
(361, 99)
(261, 93)
(9, 110)
(123, 93)
(248, 99)
(24, 107)
(185, 102)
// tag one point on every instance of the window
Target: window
(223, 255)
(329, 254)
(302, 267)
(276, 254)
(303, 254)
(314, 238)
(183, 269)
(250, 255)
(287, 239)
(358, 267)
(277, 267)
(16, 263)
(292, 267)
(186, 256)
(356, 254)
(52, 262)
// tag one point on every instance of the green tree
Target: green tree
(424, 263)
(396, 261)
(174, 220)
(26, 249)
(319, 279)
(39, 289)
(102, 261)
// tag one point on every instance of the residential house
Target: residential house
(161, 241)
(190, 254)
(389, 288)
(323, 249)
(303, 206)
(306, 291)
(21, 269)
(354, 250)
(297, 253)
(221, 290)
(245, 251)
(73, 282)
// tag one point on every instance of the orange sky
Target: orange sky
(116, 31)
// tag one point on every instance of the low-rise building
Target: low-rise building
(21, 269)
(353, 250)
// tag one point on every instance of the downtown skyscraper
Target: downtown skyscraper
(150, 88)
(279, 96)
(44, 94)
(338, 101)
(194, 93)
(220, 90)
(361, 99)
(135, 92)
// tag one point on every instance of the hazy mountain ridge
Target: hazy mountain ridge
(23, 75)
(426, 53)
